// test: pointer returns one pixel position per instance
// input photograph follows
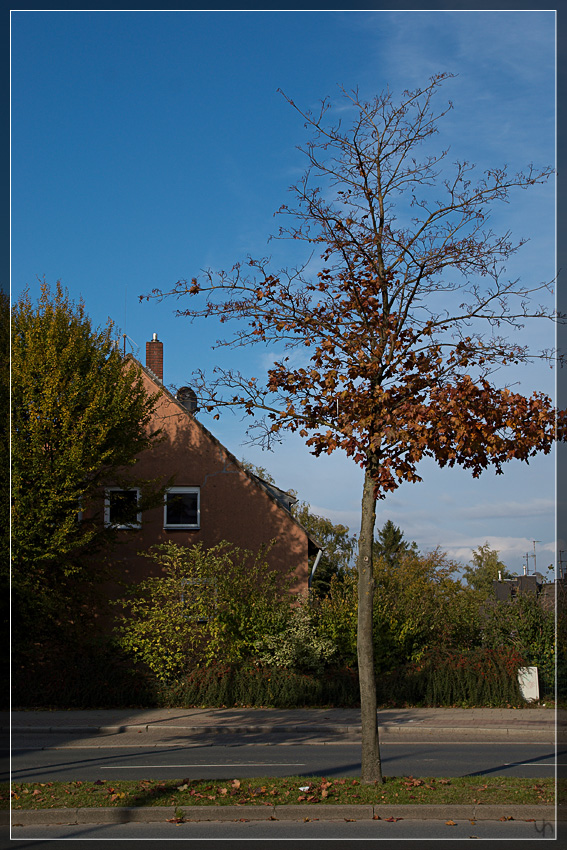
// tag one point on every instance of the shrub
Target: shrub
(208, 604)
(478, 677)
(526, 626)
(89, 674)
(298, 646)
(222, 685)
(335, 617)
(418, 606)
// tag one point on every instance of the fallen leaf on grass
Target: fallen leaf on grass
(413, 783)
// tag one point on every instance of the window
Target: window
(121, 508)
(182, 508)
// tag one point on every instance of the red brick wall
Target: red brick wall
(233, 506)
(154, 357)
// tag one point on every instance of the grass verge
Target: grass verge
(275, 791)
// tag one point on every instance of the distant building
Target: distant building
(511, 588)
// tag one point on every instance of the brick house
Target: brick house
(211, 496)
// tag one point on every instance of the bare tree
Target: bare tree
(402, 328)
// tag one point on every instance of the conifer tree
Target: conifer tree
(391, 544)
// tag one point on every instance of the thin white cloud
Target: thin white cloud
(512, 550)
(524, 508)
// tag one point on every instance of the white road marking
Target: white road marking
(240, 764)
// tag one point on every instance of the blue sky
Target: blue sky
(147, 146)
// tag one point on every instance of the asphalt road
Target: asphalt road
(508, 833)
(101, 760)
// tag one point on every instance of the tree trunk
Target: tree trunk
(371, 764)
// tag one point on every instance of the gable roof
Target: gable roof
(281, 498)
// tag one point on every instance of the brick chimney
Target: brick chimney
(154, 356)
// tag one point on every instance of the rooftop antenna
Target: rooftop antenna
(534, 554)
(124, 336)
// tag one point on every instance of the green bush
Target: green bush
(478, 677)
(234, 685)
(208, 604)
(298, 646)
(527, 627)
(335, 617)
(92, 674)
(103, 678)
(418, 606)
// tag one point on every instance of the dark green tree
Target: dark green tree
(391, 544)
(80, 417)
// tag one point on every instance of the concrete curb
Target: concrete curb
(315, 811)
(397, 732)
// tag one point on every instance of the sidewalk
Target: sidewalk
(411, 724)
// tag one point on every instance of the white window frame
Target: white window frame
(182, 526)
(107, 522)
